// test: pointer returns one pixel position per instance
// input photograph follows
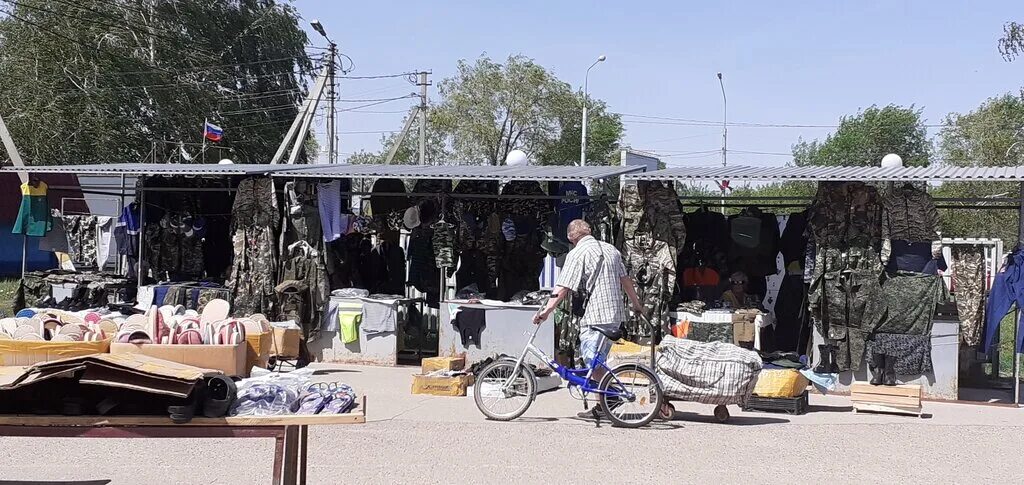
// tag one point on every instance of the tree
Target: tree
(863, 139)
(1012, 42)
(92, 81)
(991, 135)
(488, 109)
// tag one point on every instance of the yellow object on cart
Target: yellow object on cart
(780, 383)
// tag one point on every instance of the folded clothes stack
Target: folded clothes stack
(277, 394)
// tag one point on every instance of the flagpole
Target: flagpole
(203, 151)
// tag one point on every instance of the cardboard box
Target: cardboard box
(126, 371)
(443, 363)
(28, 352)
(257, 349)
(441, 386)
(229, 359)
(286, 342)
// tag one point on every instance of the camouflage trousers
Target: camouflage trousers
(254, 271)
(969, 281)
(567, 331)
(444, 245)
(81, 232)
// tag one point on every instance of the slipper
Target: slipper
(187, 336)
(8, 325)
(26, 313)
(312, 402)
(341, 401)
(229, 332)
(215, 311)
(4, 336)
(26, 329)
(133, 337)
(92, 317)
(107, 326)
(134, 322)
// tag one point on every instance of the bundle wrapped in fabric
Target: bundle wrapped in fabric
(708, 373)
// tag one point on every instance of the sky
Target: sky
(783, 62)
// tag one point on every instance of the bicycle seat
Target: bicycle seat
(611, 330)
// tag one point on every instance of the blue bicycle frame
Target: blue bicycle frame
(576, 377)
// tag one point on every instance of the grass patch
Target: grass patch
(8, 291)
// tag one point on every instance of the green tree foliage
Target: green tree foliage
(863, 139)
(1011, 44)
(409, 151)
(487, 109)
(991, 135)
(90, 81)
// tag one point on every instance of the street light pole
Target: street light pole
(332, 137)
(583, 136)
(725, 124)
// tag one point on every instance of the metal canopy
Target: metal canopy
(486, 172)
(935, 173)
(153, 169)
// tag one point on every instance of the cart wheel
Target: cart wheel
(721, 413)
(668, 411)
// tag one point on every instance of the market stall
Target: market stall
(858, 265)
(291, 243)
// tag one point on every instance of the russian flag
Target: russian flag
(212, 132)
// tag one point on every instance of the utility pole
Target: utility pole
(423, 115)
(332, 135)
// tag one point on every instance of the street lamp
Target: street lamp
(725, 117)
(332, 137)
(583, 137)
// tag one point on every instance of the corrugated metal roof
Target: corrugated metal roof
(487, 172)
(540, 173)
(153, 169)
(933, 173)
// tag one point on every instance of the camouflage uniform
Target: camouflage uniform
(567, 331)
(206, 295)
(909, 215)
(653, 233)
(852, 305)
(254, 269)
(845, 296)
(911, 299)
(305, 264)
(969, 281)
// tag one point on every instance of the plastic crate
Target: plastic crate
(789, 405)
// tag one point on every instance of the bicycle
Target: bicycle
(630, 395)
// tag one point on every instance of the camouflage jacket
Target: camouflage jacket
(845, 214)
(909, 214)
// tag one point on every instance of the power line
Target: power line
(380, 76)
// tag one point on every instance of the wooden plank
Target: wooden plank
(889, 400)
(900, 390)
(874, 408)
(355, 417)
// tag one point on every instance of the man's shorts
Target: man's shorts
(592, 344)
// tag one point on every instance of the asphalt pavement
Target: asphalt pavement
(425, 439)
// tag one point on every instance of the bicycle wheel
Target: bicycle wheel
(636, 381)
(502, 396)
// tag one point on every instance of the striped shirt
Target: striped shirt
(581, 272)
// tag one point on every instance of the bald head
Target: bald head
(578, 229)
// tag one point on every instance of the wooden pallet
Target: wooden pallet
(901, 399)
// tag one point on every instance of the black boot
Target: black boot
(824, 356)
(833, 349)
(890, 370)
(877, 368)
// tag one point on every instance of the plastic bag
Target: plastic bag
(270, 394)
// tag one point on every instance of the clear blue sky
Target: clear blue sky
(784, 62)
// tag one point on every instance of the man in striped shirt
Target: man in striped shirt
(596, 267)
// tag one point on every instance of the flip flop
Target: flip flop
(215, 311)
(92, 317)
(313, 402)
(25, 313)
(341, 402)
(8, 325)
